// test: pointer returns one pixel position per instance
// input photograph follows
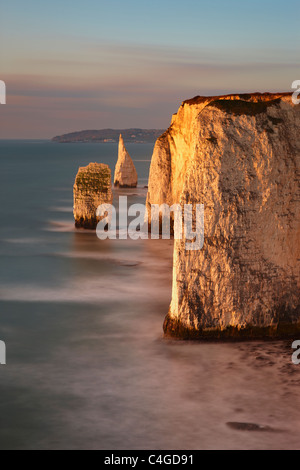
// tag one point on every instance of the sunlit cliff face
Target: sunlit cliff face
(239, 155)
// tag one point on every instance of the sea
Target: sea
(87, 364)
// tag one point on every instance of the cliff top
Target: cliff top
(237, 103)
(94, 177)
(251, 97)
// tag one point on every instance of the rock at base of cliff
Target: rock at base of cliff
(174, 328)
(125, 172)
(92, 188)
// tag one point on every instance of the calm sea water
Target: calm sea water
(87, 366)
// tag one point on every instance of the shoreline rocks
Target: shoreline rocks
(239, 155)
(92, 188)
(125, 172)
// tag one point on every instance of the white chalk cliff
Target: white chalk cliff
(125, 172)
(239, 155)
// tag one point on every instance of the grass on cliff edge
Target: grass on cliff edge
(241, 107)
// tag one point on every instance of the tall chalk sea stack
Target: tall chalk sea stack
(92, 188)
(239, 155)
(125, 172)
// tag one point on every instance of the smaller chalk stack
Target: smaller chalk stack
(125, 172)
(92, 188)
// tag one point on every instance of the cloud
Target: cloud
(112, 85)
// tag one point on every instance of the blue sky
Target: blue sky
(74, 65)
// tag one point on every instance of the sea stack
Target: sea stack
(125, 172)
(92, 188)
(239, 155)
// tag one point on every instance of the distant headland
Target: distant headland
(111, 135)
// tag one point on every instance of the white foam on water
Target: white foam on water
(68, 209)
(138, 280)
(23, 241)
(63, 226)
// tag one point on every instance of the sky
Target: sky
(93, 64)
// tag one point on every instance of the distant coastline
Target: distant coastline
(137, 136)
